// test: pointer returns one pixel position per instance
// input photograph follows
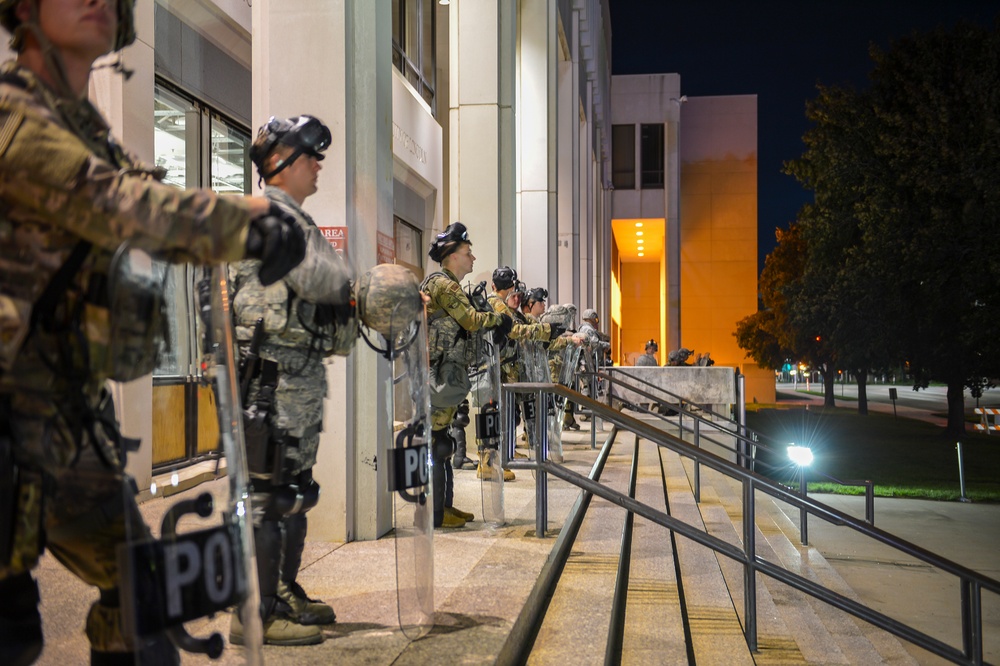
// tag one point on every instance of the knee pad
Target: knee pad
(289, 500)
(442, 445)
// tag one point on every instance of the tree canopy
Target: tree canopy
(901, 246)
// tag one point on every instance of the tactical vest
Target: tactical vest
(447, 340)
(69, 312)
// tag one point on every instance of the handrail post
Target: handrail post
(697, 463)
(803, 514)
(870, 502)
(541, 455)
(741, 418)
(750, 568)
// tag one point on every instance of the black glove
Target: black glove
(555, 330)
(503, 328)
(277, 240)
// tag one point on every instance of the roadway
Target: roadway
(933, 399)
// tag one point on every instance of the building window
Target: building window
(197, 147)
(623, 157)
(652, 153)
(409, 246)
(414, 26)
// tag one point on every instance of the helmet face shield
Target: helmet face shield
(448, 240)
(304, 134)
(309, 135)
(504, 277)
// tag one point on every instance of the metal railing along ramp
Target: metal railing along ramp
(723, 576)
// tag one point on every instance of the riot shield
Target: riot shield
(409, 474)
(486, 395)
(568, 358)
(534, 367)
(199, 560)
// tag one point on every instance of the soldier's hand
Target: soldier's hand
(503, 328)
(277, 240)
(555, 330)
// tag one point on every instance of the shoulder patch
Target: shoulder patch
(10, 122)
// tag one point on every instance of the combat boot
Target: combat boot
(569, 422)
(452, 520)
(485, 471)
(278, 631)
(464, 515)
(304, 609)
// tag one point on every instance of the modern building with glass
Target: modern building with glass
(502, 114)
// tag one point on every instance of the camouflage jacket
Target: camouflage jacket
(520, 331)
(292, 337)
(450, 319)
(646, 360)
(65, 184)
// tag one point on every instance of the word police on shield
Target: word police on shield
(408, 467)
(172, 581)
(529, 409)
(488, 424)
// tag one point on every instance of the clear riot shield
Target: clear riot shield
(199, 560)
(534, 367)
(409, 475)
(486, 396)
(569, 357)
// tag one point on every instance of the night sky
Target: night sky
(778, 50)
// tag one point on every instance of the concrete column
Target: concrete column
(348, 41)
(672, 228)
(481, 128)
(538, 97)
(570, 183)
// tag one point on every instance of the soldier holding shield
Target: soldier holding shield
(304, 317)
(72, 199)
(452, 323)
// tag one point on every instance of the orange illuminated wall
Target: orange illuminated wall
(718, 244)
(640, 294)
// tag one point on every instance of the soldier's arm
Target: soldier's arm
(47, 173)
(323, 276)
(529, 332)
(454, 301)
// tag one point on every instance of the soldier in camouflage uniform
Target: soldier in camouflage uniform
(71, 197)
(452, 322)
(648, 359)
(304, 317)
(504, 282)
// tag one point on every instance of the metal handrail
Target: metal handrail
(743, 434)
(972, 582)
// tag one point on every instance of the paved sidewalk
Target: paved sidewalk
(906, 588)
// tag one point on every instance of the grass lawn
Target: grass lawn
(904, 457)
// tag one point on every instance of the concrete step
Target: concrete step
(654, 627)
(716, 630)
(822, 633)
(575, 627)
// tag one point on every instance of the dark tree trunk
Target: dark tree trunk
(828, 386)
(956, 408)
(862, 392)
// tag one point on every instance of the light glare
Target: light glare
(800, 455)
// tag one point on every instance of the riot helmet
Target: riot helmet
(504, 278)
(448, 241)
(304, 134)
(124, 36)
(651, 344)
(538, 295)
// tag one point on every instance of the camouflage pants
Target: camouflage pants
(442, 418)
(84, 510)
